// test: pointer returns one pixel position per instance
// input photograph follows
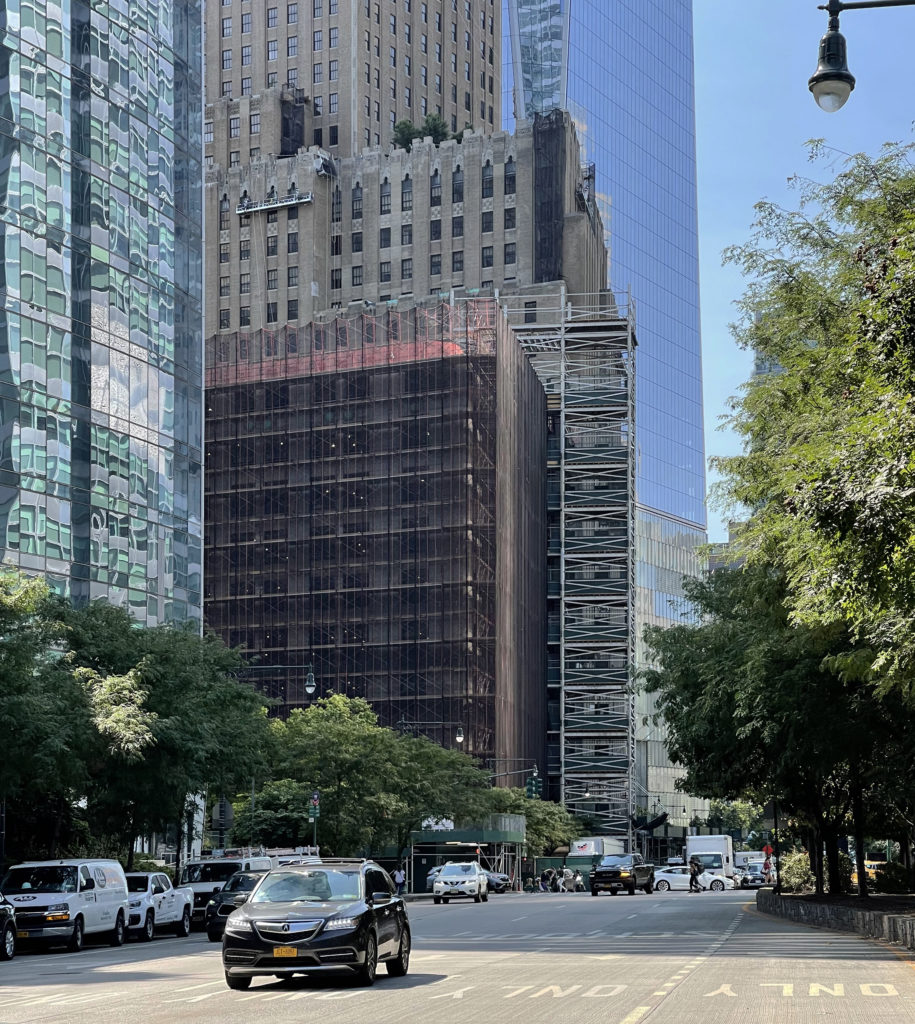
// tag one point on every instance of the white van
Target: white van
(208, 875)
(59, 902)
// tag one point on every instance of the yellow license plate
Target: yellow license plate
(285, 951)
(22, 935)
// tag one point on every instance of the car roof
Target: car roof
(65, 863)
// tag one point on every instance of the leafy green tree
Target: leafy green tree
(730, 815)
(549, 825)
(279, 816)
(404, 134)
(827, 466)
(434, 126)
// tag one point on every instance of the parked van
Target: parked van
(209, 874)
(714, 853)
(60, 902)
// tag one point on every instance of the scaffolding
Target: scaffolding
(583, 350)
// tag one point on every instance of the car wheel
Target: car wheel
(365, 976)
(8, 946)
(436, 899)
(183, 927)
(444, 900)
(594, 892)
(237, 984)
(76, 937)
(648, 889)
(213, 935)
(398, 967)
(149, 928)
(116, 937)
(662, 886)
(631, 890)
(717, 886)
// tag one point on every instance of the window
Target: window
(509, 176)
(292, 46)
(487, 181)
(317, 136)
(457, 261)
(208, 131)
(384, 271)
(272, 315)
(509, 218)
(292, 309)
(317, 41)
(224, 213)
(384, 238)
(271, 79)
(510, 252)
(336, 206)
(406, 194)
(271, 17)
(244, 283)
(356, 242)
(272, 49)
(292, 14)
(234, 127)
(435, 230)
(254, 123)
(486, 222)
(406, 234)
(244, 316)
(244, 249)
(226, 27)
(246, 86)
(457, 185)
(333, 70)
(273, 216)
(292, 241)
(226, 89)
(292, 276)
(487, 259)
(272, 280)
(333, 103)
(435, 264)
(224, 319)
(336, 278)
(333, 135)
(254, 153)
(226, 60)
(530, 312)
(357, 276)
(333, 37)
(457, 227)
(435, 189)
(292, 76)
(317, 73)
(317, 8)
(406, 269)
(223, 287)
(272, 245)
(385, 196)
(357, 202)
(246, 23)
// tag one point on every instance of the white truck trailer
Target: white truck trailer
(714, 853)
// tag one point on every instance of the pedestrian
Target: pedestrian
(545, 880)
(400, 879)
(767, 870)
(578, 882)
(556, 881)
(568, 883)
(694, 885)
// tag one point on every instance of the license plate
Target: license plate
(285, 951)
(22, 935)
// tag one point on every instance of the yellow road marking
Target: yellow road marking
(637, 1014)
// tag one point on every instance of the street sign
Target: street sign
(316, 797)
(767, 849)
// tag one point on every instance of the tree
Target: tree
(279, 816)
(404, 134)
(434, 127)
(731, 815)
(549, 825)
(827, 466)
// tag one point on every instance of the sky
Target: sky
(753, 115)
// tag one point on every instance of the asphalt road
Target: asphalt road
(671, 958)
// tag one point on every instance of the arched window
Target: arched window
(336, 206)
(224, 213)
(487, 181)
(357, 202)
(406, 193)
(385, 197)
(435, 189)
(457, 185)
(509, 176)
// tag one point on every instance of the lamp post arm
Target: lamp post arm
(835, 7)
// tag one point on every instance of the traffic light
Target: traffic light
(529, 788)
(534, 787)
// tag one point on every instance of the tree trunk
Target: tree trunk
(858, 826)
(816, 857)
(831, 843)
(179, 842)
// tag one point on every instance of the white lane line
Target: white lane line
(206, 984)
(631, 916)
(523, 916)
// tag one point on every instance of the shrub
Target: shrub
(796, 875)
(892, 877)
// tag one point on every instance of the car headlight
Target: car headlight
(624, 874)
(134, 904)
(340, 923)
(58, 908)
(242, 925)
(212, 903)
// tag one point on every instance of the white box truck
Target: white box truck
(714, 853)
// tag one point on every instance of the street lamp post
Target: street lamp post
(832, 82)
(405, 727)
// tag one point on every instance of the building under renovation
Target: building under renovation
(376, 494)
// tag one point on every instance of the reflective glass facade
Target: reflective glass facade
(624, 69)
(100, 335)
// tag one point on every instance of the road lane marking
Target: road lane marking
(206, 984)
(637, 1014)
(522, 918)
(631, 916)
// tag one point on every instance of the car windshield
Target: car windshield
(137, 883)
(210, 871)
(308, 886)
(458, 869)
(47, 878)
(615, 861)
(757, 868)
(242, 882)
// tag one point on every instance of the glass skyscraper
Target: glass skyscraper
(624, 70)
(101, 332)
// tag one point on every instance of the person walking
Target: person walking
(694, 885)
(400, 879)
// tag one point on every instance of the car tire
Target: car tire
(631, 890)
(649, 888)
(365, 976)
(237, 984)
(445, 901)
(717, 886)
(662, 886)
(148, 931)
(8, 945)
(436, 899)
(118, 932)
(214, 936)
(77, 937)
(399, 966)
(183, 927)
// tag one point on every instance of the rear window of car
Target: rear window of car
(137, 883)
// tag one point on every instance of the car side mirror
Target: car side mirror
(242, 897)
(87, 884)
(381, 897)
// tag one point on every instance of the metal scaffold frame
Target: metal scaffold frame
(585, 358)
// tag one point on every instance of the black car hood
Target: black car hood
(299, 911)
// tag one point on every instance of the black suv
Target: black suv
(7, 929)
(233, 894)
(338, 915)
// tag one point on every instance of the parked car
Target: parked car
(669, 878)
(207, 876)
(622, 871)
(231, 897)
(7, 929)
(753, 877)
(497, 881)
(156, 903)
(431, 877)
(339, 915)
(60, 902)
(461, 880)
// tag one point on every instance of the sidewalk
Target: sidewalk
(881, 916)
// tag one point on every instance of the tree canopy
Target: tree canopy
(828, 467)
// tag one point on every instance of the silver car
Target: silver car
(464, 880)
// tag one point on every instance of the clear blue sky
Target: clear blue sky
(753, 115)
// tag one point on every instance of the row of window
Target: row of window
(272, 247)
(487, 259)
(292, 13)
(244, 282)
(272, 314)
(509, 221)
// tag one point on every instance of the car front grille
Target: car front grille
(30, 920)
(287, 931)
(225, 909)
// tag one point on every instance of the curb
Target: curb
(873, 924)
